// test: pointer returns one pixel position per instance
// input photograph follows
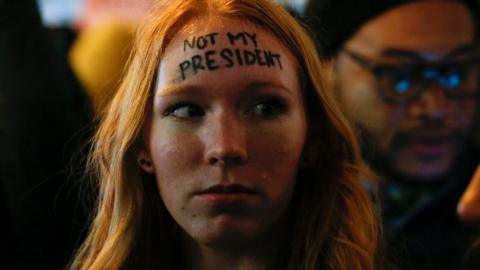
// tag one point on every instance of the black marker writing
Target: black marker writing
(197, 63)
(253, 38)
(244, 37)
(227, 54)
(227, 57)
(248, 58)
(200, 42)
(239, 57)
(210, 60)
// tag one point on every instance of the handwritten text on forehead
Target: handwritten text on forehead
(226, 57)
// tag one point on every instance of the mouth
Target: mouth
(431, 147)
(226, 189)
(233, 193)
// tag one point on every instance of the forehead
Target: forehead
(429, 26)
(206, 48)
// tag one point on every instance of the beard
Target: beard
(384, 160)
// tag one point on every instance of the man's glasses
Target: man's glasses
(402, 83)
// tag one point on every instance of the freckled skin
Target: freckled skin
(231, 141)
(431, 29)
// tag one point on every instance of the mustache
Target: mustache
(428, 134)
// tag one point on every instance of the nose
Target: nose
(225, 141)
(432, 103)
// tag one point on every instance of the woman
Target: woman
(222, 149)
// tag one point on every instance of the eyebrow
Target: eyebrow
(256, 85)
(176, 89)
(465, 49)
(402, 53)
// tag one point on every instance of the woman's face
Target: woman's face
(227, 131)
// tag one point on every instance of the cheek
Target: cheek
(362, 102)
(172, 146)
(395, 120)
(365, 107)
(357, 95)
(380, 120)
(275, 153)
(279, 139)
(174, 174)
(173, 155)
(465, 113)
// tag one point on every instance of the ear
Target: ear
(145, 162)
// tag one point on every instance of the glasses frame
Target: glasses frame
(378, 69)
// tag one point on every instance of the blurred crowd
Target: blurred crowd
(54, 80)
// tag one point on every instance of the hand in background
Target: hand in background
(468, 208)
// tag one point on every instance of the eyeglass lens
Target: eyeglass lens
(401, 85)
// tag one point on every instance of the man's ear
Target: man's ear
(145, 162)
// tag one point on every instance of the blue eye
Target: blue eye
(184, 110)
(402, 86)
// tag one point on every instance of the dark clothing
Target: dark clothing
(430, 235)
(42, 112)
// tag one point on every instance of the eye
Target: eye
(396, 84)
(452, 79)
(395, 81)
(269, 108)
(184, 111)
(400, 82)
(402, 86)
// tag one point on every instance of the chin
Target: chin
(425, 173)
(224, 232)
(423, 169)
(232, 240)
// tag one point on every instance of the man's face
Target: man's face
(420, 138)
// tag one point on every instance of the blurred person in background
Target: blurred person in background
(43, 110)
(96, 36)
(406, 72)
(105, 34)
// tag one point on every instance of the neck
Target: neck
(258, 254)
(211, 258)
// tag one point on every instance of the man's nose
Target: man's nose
(432, 103)
(225, 140)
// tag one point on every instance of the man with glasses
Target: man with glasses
(407, 72)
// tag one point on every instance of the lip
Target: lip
(231, 193)
(431, 147)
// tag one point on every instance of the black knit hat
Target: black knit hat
(338, 20)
